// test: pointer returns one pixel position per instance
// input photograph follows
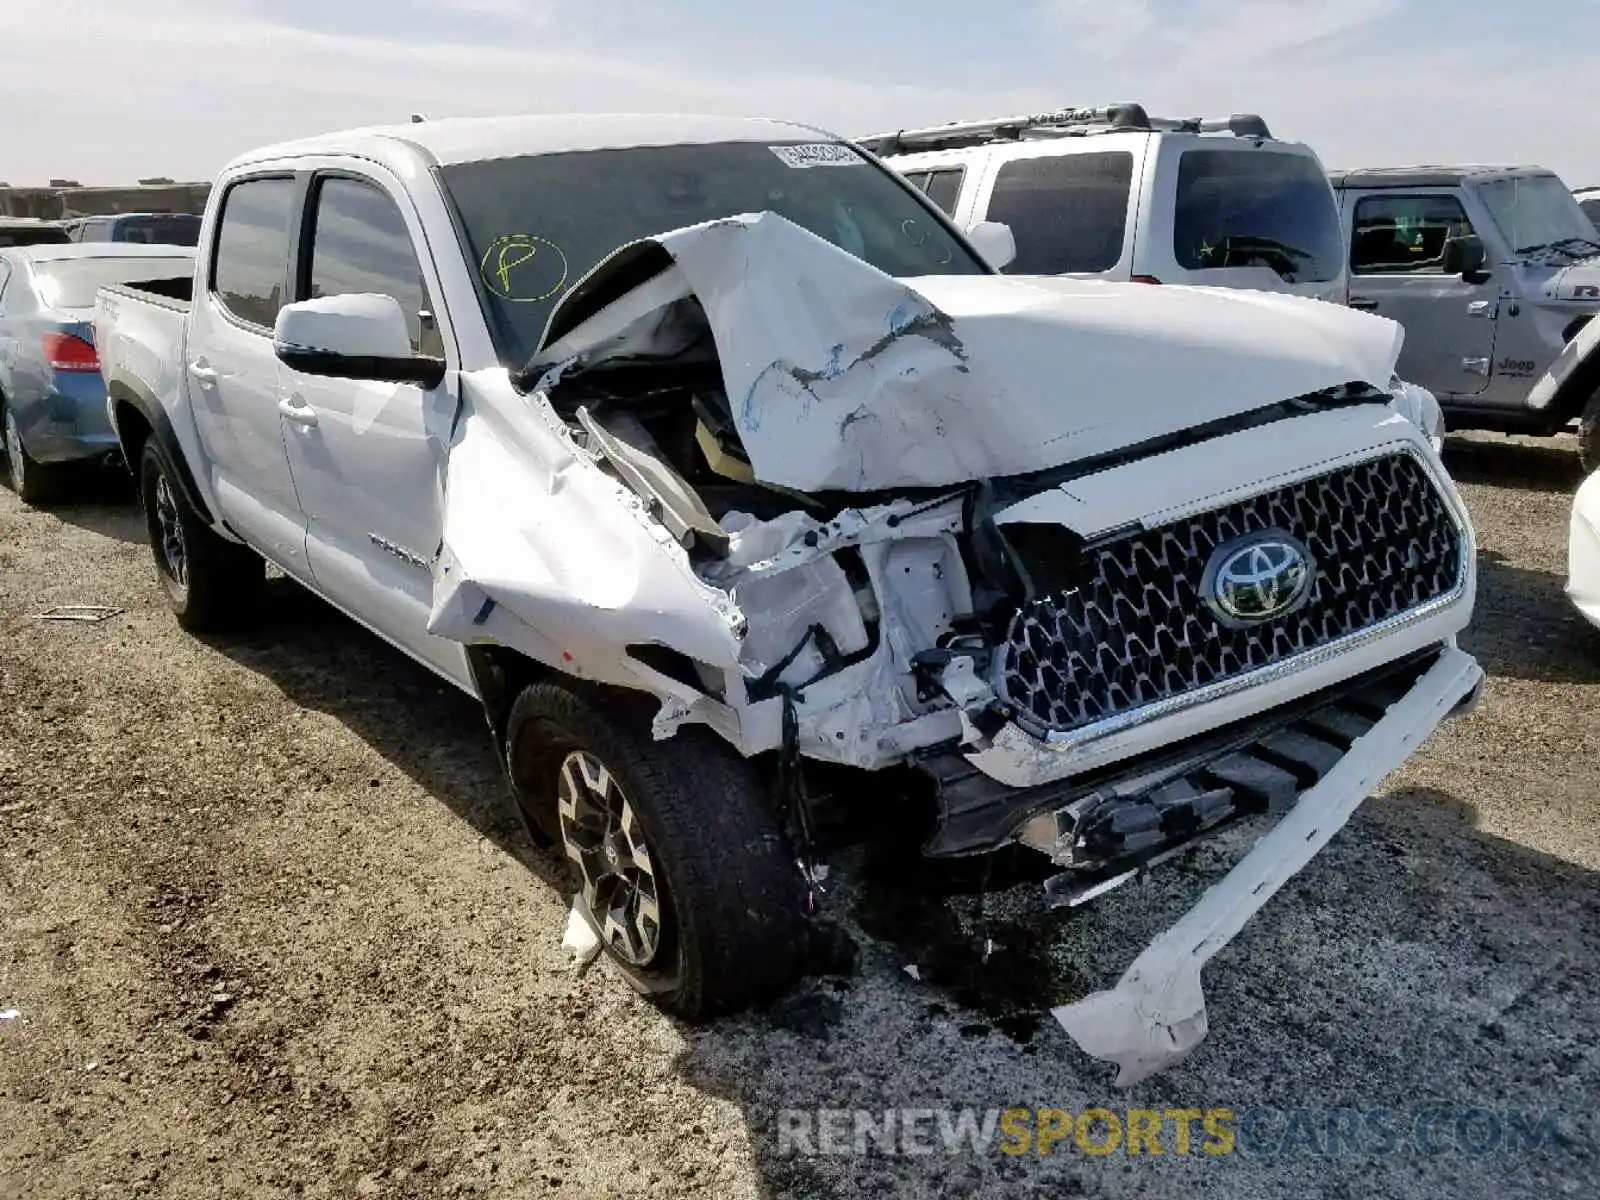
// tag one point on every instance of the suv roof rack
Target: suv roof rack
(1064, 122)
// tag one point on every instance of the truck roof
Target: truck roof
(1430, 176)
(472, 139)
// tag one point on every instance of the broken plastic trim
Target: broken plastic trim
(1156, 1014)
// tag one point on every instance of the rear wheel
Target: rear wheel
(676, 849)
(33, 482)
(211, 583)
(1589, 435)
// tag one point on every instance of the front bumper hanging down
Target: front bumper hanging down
(1156, 1014)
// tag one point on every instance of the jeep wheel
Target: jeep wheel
(210, 582)
(1589, 435)
(676, 850)
(33, 482)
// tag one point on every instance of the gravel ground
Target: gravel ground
(271, 933)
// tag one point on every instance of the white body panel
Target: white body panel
(1147, 246)
(1583, 551)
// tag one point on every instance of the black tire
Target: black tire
(1589, 435)
(732, 930)
(210, 582)
(33, 482)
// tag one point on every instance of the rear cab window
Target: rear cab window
(250, 265)
(1247, 207)
(1068, 212)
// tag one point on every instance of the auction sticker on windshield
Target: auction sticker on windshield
(818, 154)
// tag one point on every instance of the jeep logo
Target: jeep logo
(1585, 291)
(1515, 366)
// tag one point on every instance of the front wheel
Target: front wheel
(211, 583)
(1589, 435)
(677, 851)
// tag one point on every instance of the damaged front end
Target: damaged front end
(865, 522)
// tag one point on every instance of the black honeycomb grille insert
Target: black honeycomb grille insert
(1136, 631)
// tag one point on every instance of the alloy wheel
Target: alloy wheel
(16, 463)
(602, 836)
(169, 528)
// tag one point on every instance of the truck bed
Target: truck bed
(140, 330)
(176, 293)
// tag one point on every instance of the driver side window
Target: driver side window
(360, 244)
(1404, 235)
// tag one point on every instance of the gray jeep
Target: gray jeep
(1494, 272)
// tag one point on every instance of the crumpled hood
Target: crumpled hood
(841, 377)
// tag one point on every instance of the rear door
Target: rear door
(369, 476)
(1397, 271)
(233, 371)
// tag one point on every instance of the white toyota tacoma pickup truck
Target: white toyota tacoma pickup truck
(736, 483)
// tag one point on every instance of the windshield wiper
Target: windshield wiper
(1561, 246)
(1248, 246)
(1594, 246)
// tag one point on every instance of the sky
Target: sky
(105, 91)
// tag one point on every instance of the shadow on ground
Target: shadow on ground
(1524, 627)
(433, 732)
(1546, 467)
(1415, 962)
(101, 500)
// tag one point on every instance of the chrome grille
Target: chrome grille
(1123, 624)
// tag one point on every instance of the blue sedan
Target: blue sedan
(52, 399)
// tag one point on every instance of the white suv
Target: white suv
(1117, 194)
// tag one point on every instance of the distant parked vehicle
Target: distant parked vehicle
(1589, 200)
(1114, 193)
(29, 231)
(164, 229)
(1495, 274)
(52, 398)
(1583, 551)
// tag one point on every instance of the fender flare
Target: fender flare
(122, 392)
(1571, 379)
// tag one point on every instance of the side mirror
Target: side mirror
(1465, 256)
(994, 242)
(352, 337)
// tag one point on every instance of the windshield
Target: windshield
(1534, 212)
(175, 230)
(535, 225)
(72, 282)
(1249, 208)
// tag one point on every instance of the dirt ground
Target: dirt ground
(268, 930)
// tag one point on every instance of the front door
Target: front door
(369, 474)
(233, 371)
(1397, 271)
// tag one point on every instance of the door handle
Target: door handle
(202, 372)
(297, 410)
(1481, 308)
(1363, 303)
